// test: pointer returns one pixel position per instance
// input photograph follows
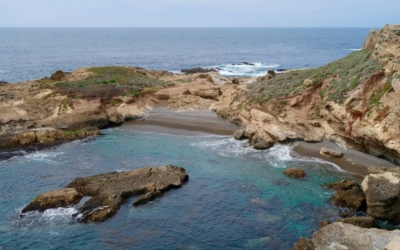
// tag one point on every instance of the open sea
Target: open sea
(236, 198)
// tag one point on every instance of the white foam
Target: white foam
(178, 72)
(42, 156)
(59, 213)
(252, 69)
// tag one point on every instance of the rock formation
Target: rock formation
(382, 190)
(109, 191)
(345, 236)
(295, 173)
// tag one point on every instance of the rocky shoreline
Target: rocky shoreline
(353, 102)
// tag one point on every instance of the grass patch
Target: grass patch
(72, 132)
(184, 80)
(347, 73)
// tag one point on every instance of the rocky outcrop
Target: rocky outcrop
(109, 191)
(348, 194)
(328, 153)
(43, 137)
(239, 134)
(54, 199)
(197, 70)
(348, 237)
(58, 75)
(382, 190)
(295, 173)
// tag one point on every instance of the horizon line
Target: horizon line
(194, 27)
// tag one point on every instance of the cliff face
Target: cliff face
(353, 101)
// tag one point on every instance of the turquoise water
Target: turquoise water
(236, 198)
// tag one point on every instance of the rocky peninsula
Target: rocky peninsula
(353, 102)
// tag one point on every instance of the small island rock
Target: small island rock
(295, 173)
(328, 153)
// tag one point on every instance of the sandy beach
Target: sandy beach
(198, 122)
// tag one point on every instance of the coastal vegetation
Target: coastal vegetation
(344, 74)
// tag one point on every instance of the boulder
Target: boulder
(208, 93)
(236, 81)
(109, 191)
(365, 222)
(295, 101)
(239, 134)
(345, 236)
(352, 198)
(381, 187)
(262, 144)
(295, 173)
(308, 83)
(58, 75)
(54, 199)
(328, 153)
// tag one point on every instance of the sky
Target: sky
(199, 13)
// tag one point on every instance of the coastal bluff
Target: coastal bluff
(108, 191)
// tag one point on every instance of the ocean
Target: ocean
(32, 53)
(236, 198)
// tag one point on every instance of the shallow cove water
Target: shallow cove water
(236, 198)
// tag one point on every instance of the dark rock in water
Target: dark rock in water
(239, 134)
(280, 182)
(109, 191)
(365, 222)
(247, 63)
(58, 75)
(3, 83)
(295, 173)
(262, 144)
(281, 70)
(197, 70)
(303, 244)
(343, 185)
(352, 198)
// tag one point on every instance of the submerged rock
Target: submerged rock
(330, 153)
(295, 173)
(382, 190)
(109, 191)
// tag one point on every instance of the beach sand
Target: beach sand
(197, 122)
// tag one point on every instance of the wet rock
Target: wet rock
(328, 153)
(343, 185)
(353, 199)
(364, 222)
(58, 75)
(262, 144)
(197, 70)
(109, 191)
(54, 199)
(295, 173)
(239, 134)
(382, 190)
(303, 244)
